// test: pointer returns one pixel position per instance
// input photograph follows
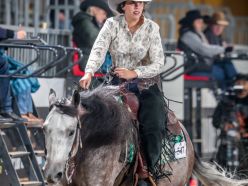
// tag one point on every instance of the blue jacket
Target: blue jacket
(20, 85)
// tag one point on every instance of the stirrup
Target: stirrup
(149, 180)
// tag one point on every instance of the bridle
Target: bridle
(71, 163)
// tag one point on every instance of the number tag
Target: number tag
(180, 150)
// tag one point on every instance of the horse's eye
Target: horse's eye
(71, 133)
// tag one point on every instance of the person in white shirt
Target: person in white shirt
(137, 54)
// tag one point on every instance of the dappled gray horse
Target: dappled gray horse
(91, 140)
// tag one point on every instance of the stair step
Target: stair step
(18, 154)
(39, 152)
(30, 183)
(24, 179)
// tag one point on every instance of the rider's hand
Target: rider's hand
(125, 73)
(21, 33)
(85, 81)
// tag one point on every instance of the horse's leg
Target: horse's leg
(181, 169)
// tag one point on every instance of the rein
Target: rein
(71, 165)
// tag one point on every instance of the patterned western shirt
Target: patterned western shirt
(141, 51)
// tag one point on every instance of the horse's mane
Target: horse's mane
(106, 120)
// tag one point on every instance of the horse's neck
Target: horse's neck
(100, 166)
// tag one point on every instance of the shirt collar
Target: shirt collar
(123, 21)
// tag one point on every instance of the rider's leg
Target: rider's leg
(153, 120)
(4, 86)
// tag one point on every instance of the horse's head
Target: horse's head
(60, 130)
(105, 136)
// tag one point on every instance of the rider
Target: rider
(135, 46)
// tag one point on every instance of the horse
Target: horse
(91, 140)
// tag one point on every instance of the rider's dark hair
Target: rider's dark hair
(120, 7)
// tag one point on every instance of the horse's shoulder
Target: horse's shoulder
(173, 123)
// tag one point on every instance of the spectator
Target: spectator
(87, 24)
(6, 112)
(231, 114)
(216, 26)
(222, 116)
(213, 33)
(193, 41)
(61, 13)
(22, 88)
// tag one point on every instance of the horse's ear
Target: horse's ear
(75, 98)
(52, 97)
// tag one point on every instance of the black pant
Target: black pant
(153, 120)
(152, 117)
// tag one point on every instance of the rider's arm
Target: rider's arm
(155, 55)
(100, 48)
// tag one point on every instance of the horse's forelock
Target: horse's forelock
(64, 106)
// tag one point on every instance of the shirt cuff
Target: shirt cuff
(89, 71)
(138, 72)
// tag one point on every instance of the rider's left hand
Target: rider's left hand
(125, 73)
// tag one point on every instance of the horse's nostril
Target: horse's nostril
(49, 179)
(59, 175)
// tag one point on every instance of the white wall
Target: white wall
(41, 96)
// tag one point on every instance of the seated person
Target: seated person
(193, 41)
(237, 101)
(22, 89)
(216, 26)
(87, 24)
(6, 111)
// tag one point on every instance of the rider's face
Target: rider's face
(133, 9)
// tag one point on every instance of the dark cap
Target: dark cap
(97, 3)
(241, 77)
(190, 17)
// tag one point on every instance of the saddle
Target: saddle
(131, 102)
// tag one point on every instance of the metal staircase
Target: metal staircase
(16, 148)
